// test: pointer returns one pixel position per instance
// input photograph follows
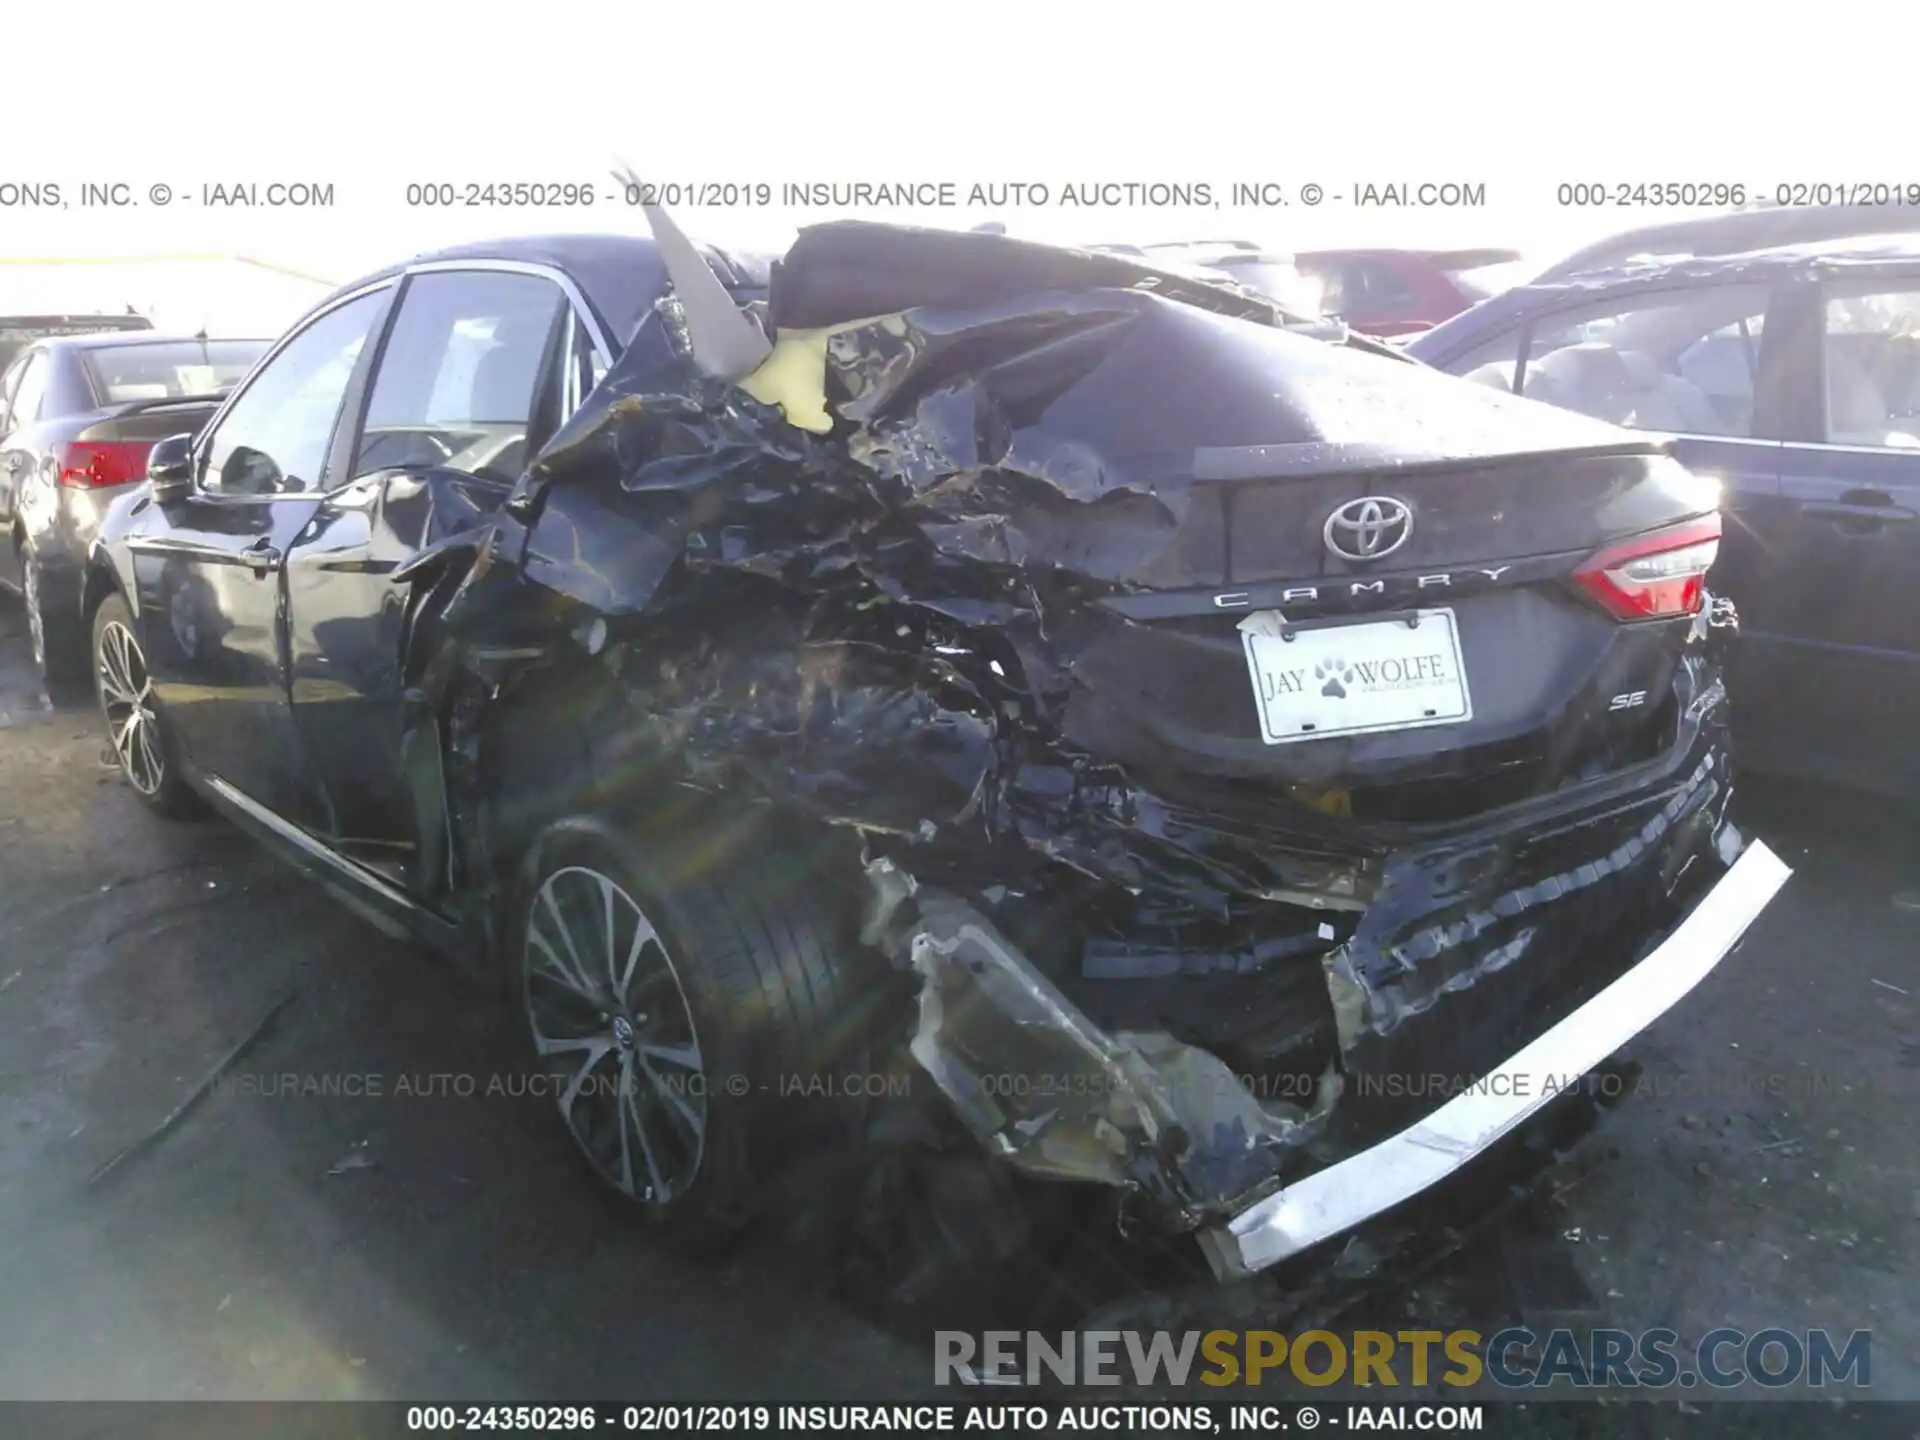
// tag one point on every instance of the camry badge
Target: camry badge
(1368, 528)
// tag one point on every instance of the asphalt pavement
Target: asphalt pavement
(362, 1208)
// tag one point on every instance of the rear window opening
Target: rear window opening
(169, 370)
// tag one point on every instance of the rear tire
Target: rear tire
(669, 987)
(136, 730)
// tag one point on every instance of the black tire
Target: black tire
(766, 979)
(136, 730)
(60, 650)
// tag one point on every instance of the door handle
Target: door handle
(260, 557)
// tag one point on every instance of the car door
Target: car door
(1838, 652)
(209, 568)
(478, 368)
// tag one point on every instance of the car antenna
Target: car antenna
(726, 342)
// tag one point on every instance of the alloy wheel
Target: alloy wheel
(613, 1030)
(126, 695)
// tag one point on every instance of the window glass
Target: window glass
(1363, 291)
(170, 370)
(461, 380)
(1683, 363)
(1872, 363)
(274, 440)
(1493, 363)
(1388, 294)
(32, 390)
(1330, 279)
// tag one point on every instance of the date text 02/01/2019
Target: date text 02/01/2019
(1737, 195)
(1868, 194)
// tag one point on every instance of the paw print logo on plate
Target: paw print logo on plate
(1336, 672)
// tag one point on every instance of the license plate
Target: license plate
(1309, 684)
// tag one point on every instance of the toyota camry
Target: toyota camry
(1154, 721)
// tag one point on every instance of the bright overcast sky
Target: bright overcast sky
(1516, 98)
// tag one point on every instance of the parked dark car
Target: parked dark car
(17, 331)
(1793, 376)
(1021, 668)
(1400, 292)
(77, 416)
(1764, 228)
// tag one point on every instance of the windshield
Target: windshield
(170, 370)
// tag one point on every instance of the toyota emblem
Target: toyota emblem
(1368, 528)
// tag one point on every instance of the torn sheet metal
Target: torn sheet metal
(1043, 1086)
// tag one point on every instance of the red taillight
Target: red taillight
(1657, 576)
(100, 464)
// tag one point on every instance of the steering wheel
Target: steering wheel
(370, 457)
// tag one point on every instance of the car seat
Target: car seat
(503, 395)
(1622, 387)
(1857, 412)
(1721, 367)
(504, 378)
(1587, 377)
(1662, 400)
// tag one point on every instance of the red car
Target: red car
(1399, 292)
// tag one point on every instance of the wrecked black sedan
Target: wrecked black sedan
(1230, 764)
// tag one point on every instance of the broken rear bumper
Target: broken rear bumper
(1376, 1179)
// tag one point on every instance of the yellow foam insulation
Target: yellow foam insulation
(794, 375)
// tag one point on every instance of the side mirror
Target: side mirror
(170, 468)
